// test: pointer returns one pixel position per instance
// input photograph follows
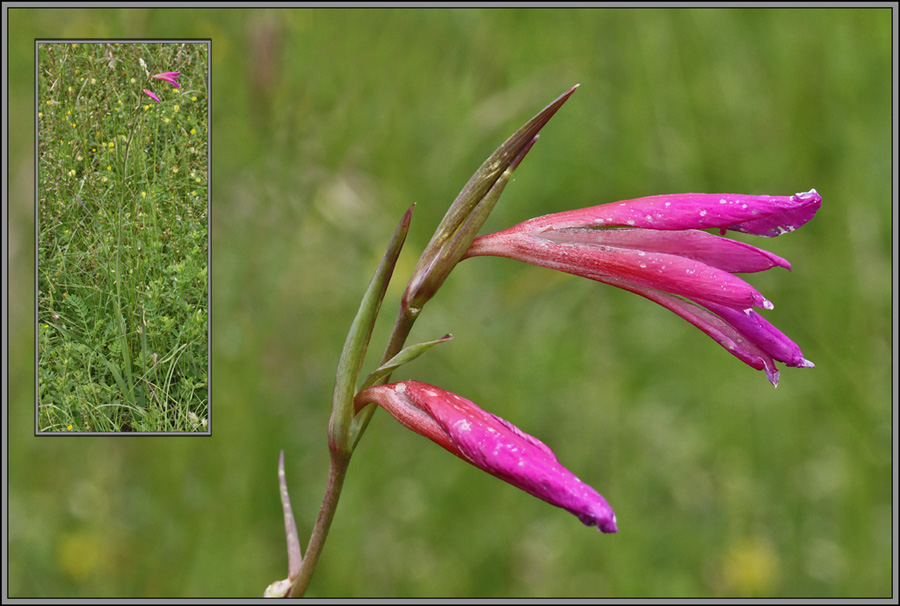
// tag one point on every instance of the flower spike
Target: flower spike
(653, 247)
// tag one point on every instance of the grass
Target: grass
(122, 242)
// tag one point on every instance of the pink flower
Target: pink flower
(653, 247)
(170, 77)
(492, 444)
(151, 95)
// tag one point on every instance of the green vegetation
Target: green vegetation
(122, 242)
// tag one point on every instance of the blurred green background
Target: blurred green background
(326, 125)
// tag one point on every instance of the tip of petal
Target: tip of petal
(804, 363)
(610, 526)
(605, 521)
(773, 375)
(810, 195)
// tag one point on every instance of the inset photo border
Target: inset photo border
(122, 157)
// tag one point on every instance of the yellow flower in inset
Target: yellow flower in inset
(72, 173)
(175, 169)
(177, 108)
(143, 194)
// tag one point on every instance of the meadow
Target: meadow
(122, 238)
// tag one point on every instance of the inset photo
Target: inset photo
(122, 237)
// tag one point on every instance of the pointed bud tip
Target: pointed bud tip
(514, 164)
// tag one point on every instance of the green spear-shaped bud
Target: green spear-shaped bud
(470, 210)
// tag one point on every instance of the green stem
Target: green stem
(336, 473)
(339, 462)
(130, 135)
(340, 440)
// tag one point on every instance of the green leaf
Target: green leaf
(408, 354)
(357, 343)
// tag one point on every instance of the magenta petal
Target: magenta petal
(660, 271)
(492, 444)
(792, 214)
(759, 215)
(725, 254)
(151, 95)
(717, 329)
(763, 334)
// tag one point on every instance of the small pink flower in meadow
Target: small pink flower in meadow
(170, 77)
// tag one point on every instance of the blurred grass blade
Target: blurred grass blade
(117, 376)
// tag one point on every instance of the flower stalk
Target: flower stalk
(652, 246)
